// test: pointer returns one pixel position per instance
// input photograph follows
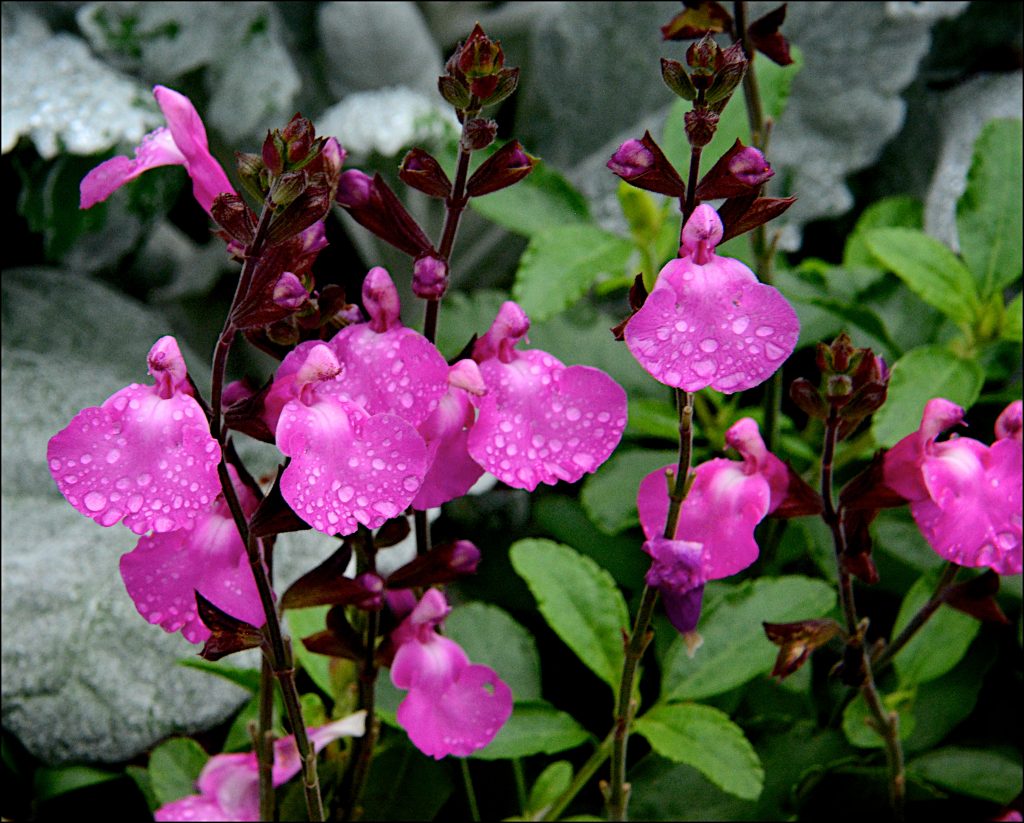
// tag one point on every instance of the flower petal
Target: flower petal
(149, 461)
(347, 467)
(287, 763)
(541, 422)
(156, 149)
(197, 807)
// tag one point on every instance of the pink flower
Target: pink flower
(453, 706)
(388, 367)
(145, 456)
(540, 421)
(715, 534)
(182, 142)
(348, 466)
(163, 571)
(451, 470)
(964, 495)
(229, 784)
(708, 321)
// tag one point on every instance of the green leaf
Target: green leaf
(491, 637)
(580, 602)
(652, 418)
(141, 778)
(976, 772)
(248, 679)
(917, 377)
(705, 738)
(929, 269)
(735, 648)
(50, 782)
(303, 623)
(938, 646)
(989, 214)
(857, 718)
(860, 316)
(405, 785)
(609, 496)
(562, 262)
(174, 767)
(1012, 321)
(550, 784)
(541, 200)
(903, 212)
(535, 727)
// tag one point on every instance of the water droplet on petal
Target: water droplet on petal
(739, 325)
(773, 351)
(704, 368)
(94, 501)
(572, 414)
(346, 493)
(411, 483)
(708, 344)
(764, 331)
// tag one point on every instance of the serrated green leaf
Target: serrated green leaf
(609, 495)
(929, 269)
(489, 636)
(735, 648)
(543, 199)
(550, 783)
(174, 767)
(938, 646)
(989, 213)
(901, 211)
(1013, 325)
(49, 782)
(579, 600)
(917, 377)
(975, 772)
(705, 738)
(562, 262)
(857, 719)
(535, 727)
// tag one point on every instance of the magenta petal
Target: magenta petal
(149, 461)
(452, 472)
(197, 807)
(287, 763)
(973, 513)
(712, 325)
(347, 467)
(462, 718)
(156, 149)
(721, 510)
(683, 608)
(232, 782)
(184, 123)
(541, 422)
(397, 371)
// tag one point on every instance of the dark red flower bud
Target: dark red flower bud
(678, 79)
(298, 136)
(740, 171)
(506, 166)
(429, 277)
(375, 207)
(507, 83)
(705, 58)
(637, 298)
(700, 126)
(807, 397)
(479, 133)
(729, 75)
(764, 34)
(310, 207)
(231, 213)
(442, 564)
(746, 212)
(797, 640)
(643, 164)
(480, 56)
(274, 150)
(227, 634)
(423, 173)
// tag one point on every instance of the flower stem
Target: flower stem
(278, 646)
(467, 781)
(520, 778)
(885, 656)
(587, 770)
(617, 798)
(886, 723)
(265, 741)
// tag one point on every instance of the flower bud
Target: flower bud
(287, 187)
(252, 173)
(354, 189)
(808, 399)
(298, 136)
(507, 83)
(454, 91)
(728, 76)
(479, 56)
(643, 164)
(423, 173)
(442, 564)
(700, 126)
(312, 205)
(273, 154)
(429, 277)
(506, 166)
(678, 79)
(289, 293)
(479, 133)
(705, 58)
(796, 641)
(374, 206)
(231, 213)
(740, 171)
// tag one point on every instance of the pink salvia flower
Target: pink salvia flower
(965, 496)
(540, 421)
(453, 706)
(348, 467)
(708, 321)
(163, 571)
(182, 142)
(388, 367)
(145, 456)
(726, 501)
(451, 470)
(229, 784)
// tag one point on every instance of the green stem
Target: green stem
(520, 778)
(625, 706)
(582, 777)
(467, 781)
